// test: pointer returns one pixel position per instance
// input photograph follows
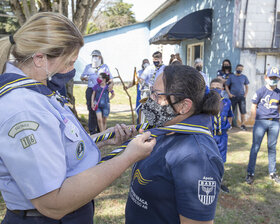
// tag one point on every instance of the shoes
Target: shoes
(275, 177)
(224, 188)
(243, 127)
(250, 179)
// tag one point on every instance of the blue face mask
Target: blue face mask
(59, 80)
(156, 63)
(272, 82)
(217, 90)
(238, 71)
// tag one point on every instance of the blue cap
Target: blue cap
(273, 72)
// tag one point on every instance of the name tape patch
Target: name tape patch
(21, 126)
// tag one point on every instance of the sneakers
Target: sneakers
(224, 188)
(243, 127)
(275, 177)
(250, 179)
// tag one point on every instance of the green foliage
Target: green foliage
(8, 25)
(114, 15)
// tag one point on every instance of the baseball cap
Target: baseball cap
(273, 72)
(96, 53)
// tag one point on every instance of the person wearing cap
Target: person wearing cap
(198, 64)
(90, 74)
(265, 109)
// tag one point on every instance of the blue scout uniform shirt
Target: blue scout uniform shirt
(268, 103)
(93, 73)
(42, 143)
(181, 176)
(222, 118)
(149, 72)
(236, 84)
(223, 75)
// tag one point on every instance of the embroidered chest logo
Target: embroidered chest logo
(206, 190)
(80, 150)
(267, 102)
(137, 175)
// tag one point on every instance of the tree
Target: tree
(81, 12)
(8, 22)
(113, 15)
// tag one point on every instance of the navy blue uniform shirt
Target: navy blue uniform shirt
(181, 176)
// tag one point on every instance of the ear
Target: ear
(39, 59)
(185, 106)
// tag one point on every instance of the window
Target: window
(277, 31)
(194, 51)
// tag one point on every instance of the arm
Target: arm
(112, 94)
(184, 220)
(253, 110)
(93, 100)
(246, 90)
(84, 76)
(228, 92)
(78, 190)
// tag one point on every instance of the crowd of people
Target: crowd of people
(51, 169)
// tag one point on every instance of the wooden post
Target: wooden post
(129, 97)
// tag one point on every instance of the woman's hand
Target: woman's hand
(140, 147)
(122, 134)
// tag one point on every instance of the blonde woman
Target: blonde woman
(48, 171)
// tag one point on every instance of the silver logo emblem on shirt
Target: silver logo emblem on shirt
(207, 190)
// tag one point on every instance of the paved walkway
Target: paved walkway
(115, 108)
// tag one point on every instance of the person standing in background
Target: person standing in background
(198, 64)
(237, 89)
(265, 109)
(223, 74)
(90, 74)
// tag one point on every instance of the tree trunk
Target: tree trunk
(26, 9)
(63, 7)
(17, 9)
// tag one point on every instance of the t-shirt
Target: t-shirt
(267, 103)
(223, 75)
(93, 73)
(236, 84)
(181, 176)
(104, 100)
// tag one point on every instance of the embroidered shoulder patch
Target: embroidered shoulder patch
(206, 190)
(21, 126)
(80, 150)
(28, 141)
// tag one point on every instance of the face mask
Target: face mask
(59, 80)
(198, 68)
(156, 114)
(156, 63)
(217, 90)
(272, 82)
(95, 62)
(227, 67)
(145, 65)
(99, 81)
(238, 71)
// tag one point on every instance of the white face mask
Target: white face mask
(272, 82)
(95, 62)
(145, 65)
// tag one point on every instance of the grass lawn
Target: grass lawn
(256, 204)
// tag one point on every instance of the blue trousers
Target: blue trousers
(92, 120)
(222, 141)
(82, 215)
(260, 128)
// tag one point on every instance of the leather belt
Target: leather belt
(271, 119)
(31, 212)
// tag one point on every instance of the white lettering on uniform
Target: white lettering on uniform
(137, 200)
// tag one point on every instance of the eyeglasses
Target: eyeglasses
(155, 96)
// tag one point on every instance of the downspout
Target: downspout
(275, 23)
(244, 23)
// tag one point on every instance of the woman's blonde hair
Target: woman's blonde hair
(49, 33)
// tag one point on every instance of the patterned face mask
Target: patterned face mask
(156, 114)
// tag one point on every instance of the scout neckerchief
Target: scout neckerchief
(217, 125)
(11, 81)
(154, 75)
(180, 128)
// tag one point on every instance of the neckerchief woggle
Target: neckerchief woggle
(11, 81)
